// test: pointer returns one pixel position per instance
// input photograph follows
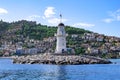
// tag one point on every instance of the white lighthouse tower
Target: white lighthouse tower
(61, 38)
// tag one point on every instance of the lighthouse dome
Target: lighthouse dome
(60, 24)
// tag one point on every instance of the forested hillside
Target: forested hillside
(14, 30)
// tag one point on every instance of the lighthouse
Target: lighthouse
(61, 38)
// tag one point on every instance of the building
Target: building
(61, 39)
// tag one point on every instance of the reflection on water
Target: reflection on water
(9, 71)
(48, 73)
(61, 73)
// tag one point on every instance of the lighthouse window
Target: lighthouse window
(62, 32)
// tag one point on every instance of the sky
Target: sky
(101, 16)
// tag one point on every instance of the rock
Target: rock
(59, 59)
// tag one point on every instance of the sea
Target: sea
(10, 71)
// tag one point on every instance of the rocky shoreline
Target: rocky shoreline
(59, 59)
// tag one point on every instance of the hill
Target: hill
(30, 37)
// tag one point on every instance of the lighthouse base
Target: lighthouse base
(61, 51)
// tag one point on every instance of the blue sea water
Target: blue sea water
(10, 71)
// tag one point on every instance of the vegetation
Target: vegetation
(21, 31)
(79, 50)
(31, 29)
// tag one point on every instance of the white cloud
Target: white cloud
(49, 16)
(3, 11)
(55, 21)
(118, 18)
(114, 16)
(83, 25)
(108, 20)
(33, 17)
(49, 12)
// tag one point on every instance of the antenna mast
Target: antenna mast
(60, 18)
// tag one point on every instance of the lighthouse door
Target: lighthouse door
(63, 50)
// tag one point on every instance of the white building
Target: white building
(61, 39)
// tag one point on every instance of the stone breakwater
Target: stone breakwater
(59, 59)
